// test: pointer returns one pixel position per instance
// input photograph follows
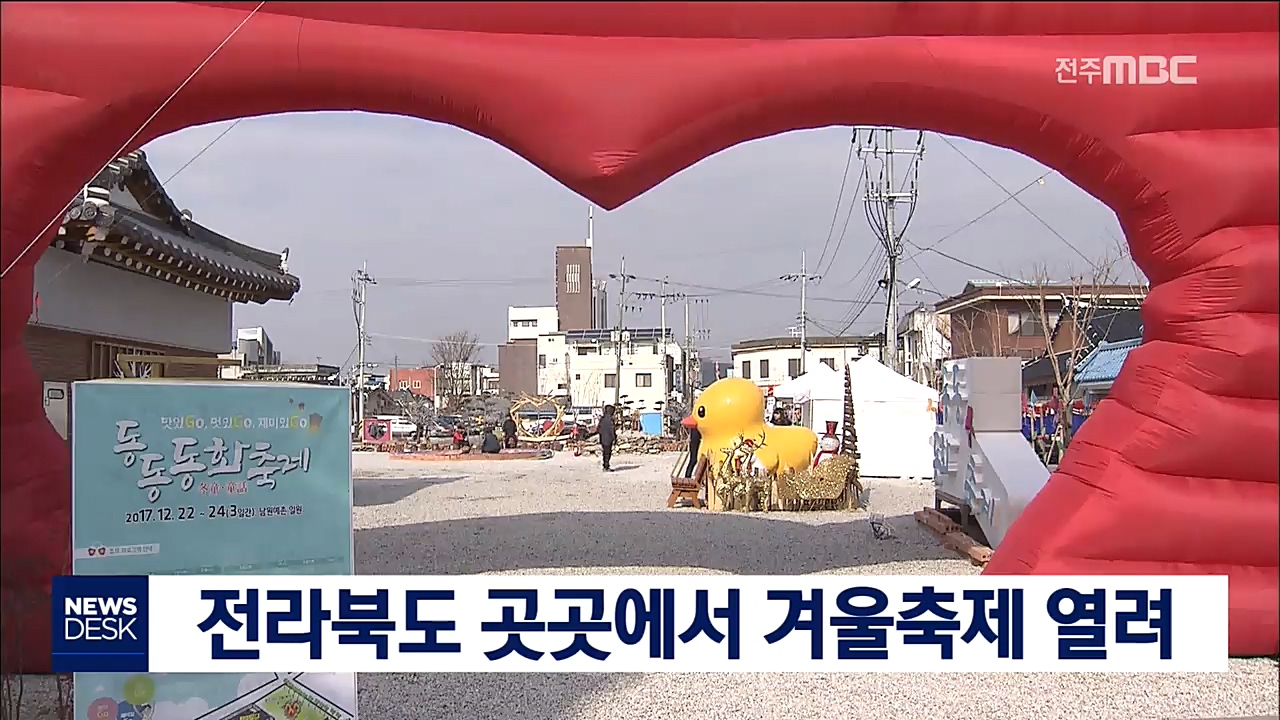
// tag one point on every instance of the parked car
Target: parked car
(401, 426)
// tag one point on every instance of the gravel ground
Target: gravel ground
(564, 516)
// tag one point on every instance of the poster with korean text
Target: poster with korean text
(226, 478)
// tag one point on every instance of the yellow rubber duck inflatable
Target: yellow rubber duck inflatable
(733, 407)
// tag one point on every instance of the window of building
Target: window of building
(573, 278)
(1026, 324)
(793, 367)
(644, 380)
(610, 380)
(524, 323)
(404, 384)
(586, 350)
(764, 369)
(577, 376)
(746, 369)
(542, 361)
(829, 362)
(417, 384)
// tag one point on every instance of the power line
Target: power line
(844, 180)
(751, 293)
(1016, 199)
(971, 266)
(988, 211)
(857, 192)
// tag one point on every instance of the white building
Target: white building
(487, 380)
(769, 362)
(582, 366)
(924, 341)
(253, 347)
(527, 323)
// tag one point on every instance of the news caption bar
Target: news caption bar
(249, 624)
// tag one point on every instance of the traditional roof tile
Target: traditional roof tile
(1104, 363)
(162, 229)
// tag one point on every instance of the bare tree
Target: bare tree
(976, 328)
(418, 409)
(454, 355)
(1065, 309)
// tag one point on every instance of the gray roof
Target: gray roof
(162, 229)
(151, 233)
(1104, 363)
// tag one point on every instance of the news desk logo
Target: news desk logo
(1128, 70)
(99, 624)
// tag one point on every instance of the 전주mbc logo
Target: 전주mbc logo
(100, 624)
(1128, 70)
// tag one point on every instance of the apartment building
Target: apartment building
(769, 362)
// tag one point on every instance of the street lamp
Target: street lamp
(914, 284)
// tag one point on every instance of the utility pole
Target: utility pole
(662, 312)
(361, 280)
(622, 277)
(804, 278)
(883, 197)
(663, 296)
(687, 360)
(692, 368)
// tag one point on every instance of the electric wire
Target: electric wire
(844, 180)
(857, 194)
(983, 215)
(1024, 206)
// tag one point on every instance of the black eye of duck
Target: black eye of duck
(702, 411)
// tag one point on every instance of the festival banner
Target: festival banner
(213, 478)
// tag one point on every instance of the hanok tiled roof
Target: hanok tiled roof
(202, 252)
(1110, 322)
(1040, 370)
(165, 243)
(1104, 363)
(1114, 324)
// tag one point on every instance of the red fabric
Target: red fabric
(1176, 472)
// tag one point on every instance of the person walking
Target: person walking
(607, 435)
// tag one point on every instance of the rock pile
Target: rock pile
(638, 444)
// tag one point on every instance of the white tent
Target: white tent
(820, 394)
(896, 421)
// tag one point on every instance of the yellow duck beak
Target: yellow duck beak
(690, 422)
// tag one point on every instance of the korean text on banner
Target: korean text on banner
(688, 624)
(209, 479)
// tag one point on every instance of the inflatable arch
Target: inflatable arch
(1176, 473)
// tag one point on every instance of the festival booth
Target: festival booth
(820, 395)
(895, 418)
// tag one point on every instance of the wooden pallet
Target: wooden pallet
(953, 536)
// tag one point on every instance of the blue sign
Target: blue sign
(100, 623)
(215, 478)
